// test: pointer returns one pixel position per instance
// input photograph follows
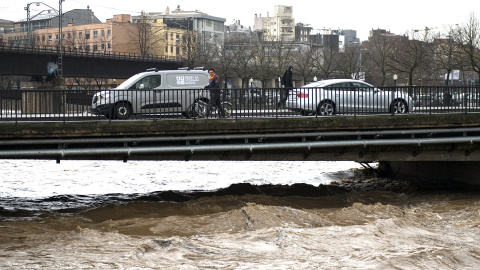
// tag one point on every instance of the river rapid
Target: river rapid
(230, 215)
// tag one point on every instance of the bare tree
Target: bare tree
(378, 55)
(141, 37)
(349, 62)
(243, 57)
(303, 62)
(284, 54)
(468, 41)
(446, 57)
(263, 63)
(146, 36)
(324, 61)
(409, 55)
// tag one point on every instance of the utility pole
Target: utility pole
(60, 28)
(28, 22)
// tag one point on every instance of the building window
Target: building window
(50, 38)
(74, 35)
(43, 38)
(166, 49)
(109, 32)
(95, 33)
(80, 35)
(103, 46)
(95, 47)
(218, 26)
(87, 34)
(171, 36)
(56, 36)
(103, 32)
(171, 49)
(177, 38)
(177, 50)
(87, 48)
(109, 45)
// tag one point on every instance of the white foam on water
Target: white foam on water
(44, 178)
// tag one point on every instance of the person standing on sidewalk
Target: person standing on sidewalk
(287, 82)
(214, 86)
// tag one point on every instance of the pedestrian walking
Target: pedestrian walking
(287, 83)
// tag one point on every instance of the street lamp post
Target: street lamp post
(60, 28)
(395, 77)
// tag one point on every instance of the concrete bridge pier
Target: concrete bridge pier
(434, 171)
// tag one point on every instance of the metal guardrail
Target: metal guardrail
(78, 105)
(196, 146)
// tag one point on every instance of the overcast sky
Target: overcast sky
(399, 17)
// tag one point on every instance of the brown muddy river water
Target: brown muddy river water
(230, 215)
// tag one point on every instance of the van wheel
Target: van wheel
(122, 110)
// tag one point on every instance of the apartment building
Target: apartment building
(115, 35)
(24, 30)
(177, 33)
(280, 27)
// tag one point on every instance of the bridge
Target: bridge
(432, 139)
(440, 146)
(77, 64)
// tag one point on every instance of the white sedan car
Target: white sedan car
(346, 96)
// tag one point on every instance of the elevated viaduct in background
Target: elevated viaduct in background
(429, 146)
(23, 61)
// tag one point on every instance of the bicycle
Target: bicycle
(199, 109)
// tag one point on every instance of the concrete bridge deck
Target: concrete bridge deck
(441, 146)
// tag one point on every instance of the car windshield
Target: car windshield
(128, 82)
(314, 84)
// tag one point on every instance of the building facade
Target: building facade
(177, 33)
(280, 27)
(24, 30)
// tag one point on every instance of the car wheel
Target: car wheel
(122, 110)
(399, 106)
(326, 108)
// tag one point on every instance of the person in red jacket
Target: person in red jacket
(214, 86)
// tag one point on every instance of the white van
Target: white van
(153, 92)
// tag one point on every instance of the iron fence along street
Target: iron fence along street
(114, 105)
